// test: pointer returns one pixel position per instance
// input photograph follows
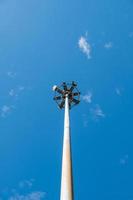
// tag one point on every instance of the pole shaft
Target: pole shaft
(66, 179)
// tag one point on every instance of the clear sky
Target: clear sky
(45, 42)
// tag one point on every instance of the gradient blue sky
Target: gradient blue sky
(45, 42)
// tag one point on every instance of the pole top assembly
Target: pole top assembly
(66, 90)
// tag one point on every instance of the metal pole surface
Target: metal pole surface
(66, 179)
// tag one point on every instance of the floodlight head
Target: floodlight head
(74, 84)
(66, 90)
(54, 87)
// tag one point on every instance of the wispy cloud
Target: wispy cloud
(108, 45)
(131, 34)
(11, 74)
(119, 91)
(12, 93)
(24, 191)
(26, 183)
(87, 97)
(6, 110)
(37, 195)
(21, 88)
(85, 120)
(15, 92)
(96, 112)
(124, 159)
(84, 46)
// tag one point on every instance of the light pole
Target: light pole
(68, 97)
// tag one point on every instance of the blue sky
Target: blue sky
(43, 43)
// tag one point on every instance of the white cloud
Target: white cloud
(118, 91)
(12, 93)
(24, 191)
(15, 92)
(124, 159)
(97, 112)
(6, 110)
(21, 88)
(108, 45)
(87, 97)
(85, 120)
(11, 74)
(37, 195)
(84, 46)
(131, 34)
(26, 183)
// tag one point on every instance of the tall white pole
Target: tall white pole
(66, 179)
